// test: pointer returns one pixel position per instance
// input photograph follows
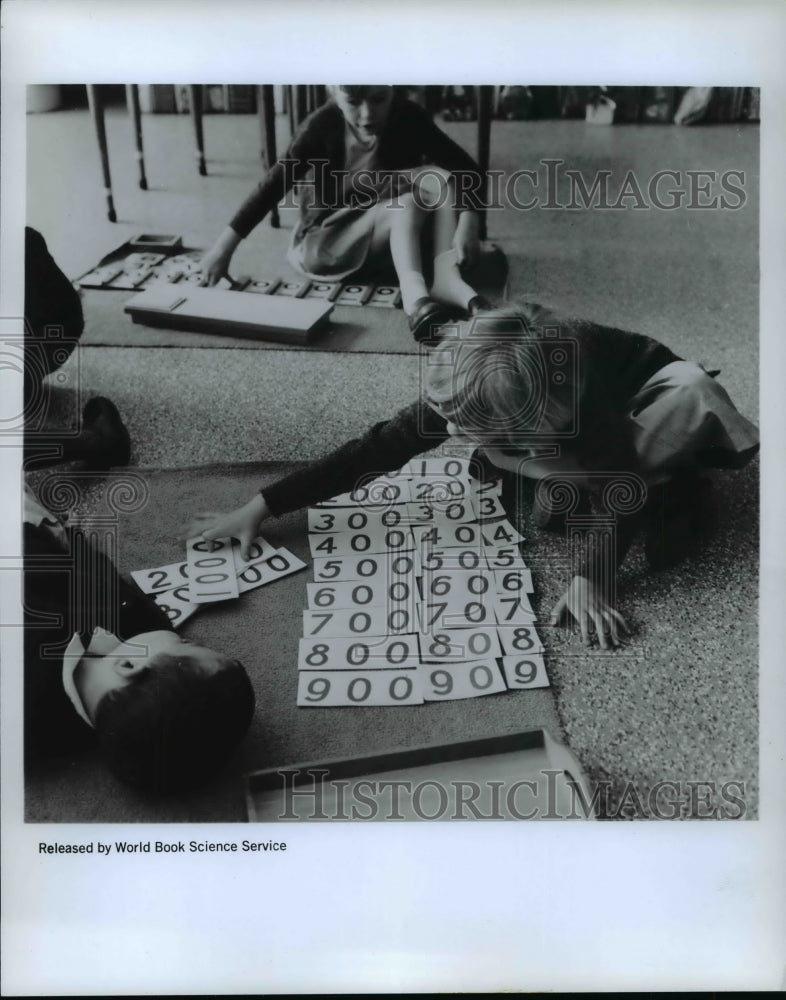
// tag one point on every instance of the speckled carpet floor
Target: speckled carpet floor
(679, 703)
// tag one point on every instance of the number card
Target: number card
(376, 540)
(282, 563)
(435, 560)
(505, 558)
(519, 639)
(488, 506)
(263, 286)
(354, 519)
(524, 672)
(459, 645)
(461, 680)
(378, 494)
(386, 296)
(101, 276)
(486, 487)
(347, 622)
(293, 289)
(154, 581)
(454, 468)
(349, 654)
(514, 581)
(324, 290)
(444, 614)
(350, 687)
(361, 594)
(439, 490)
(445, 535)
(260, 550)
(438, 509)
(513, 609)
(381, 566)
(211, 570)
(176, 605)
(354, 295)
(500, 533)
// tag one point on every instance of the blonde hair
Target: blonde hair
(495, 379)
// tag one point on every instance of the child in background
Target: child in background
(615, 402)
(382, 173)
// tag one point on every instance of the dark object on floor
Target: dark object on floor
(680, 511)
(428, 315)
(101, 420)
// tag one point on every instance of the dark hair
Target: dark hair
(174, 724)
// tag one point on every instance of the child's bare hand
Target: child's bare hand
(215, 266)
(215, 263)
(242, 524)
(591, 610)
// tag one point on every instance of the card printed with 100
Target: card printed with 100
(419, 593)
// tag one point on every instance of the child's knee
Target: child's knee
(431, 188)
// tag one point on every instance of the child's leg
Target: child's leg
(399, 226)
(435, 192)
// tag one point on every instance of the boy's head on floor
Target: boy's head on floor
(167, 713)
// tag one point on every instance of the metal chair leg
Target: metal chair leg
(195, 107)
(97, 111)
(267, 119)
(485, 102)
(132, 101)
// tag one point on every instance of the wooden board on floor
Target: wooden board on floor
(213, 310)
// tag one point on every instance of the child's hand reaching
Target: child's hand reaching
(466, 241)
(215, 263)
(242, 524)
(584, 601)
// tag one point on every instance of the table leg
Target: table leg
(97, 111)
(195, 106)
(267, 119)
(485, 101)
(132, 101)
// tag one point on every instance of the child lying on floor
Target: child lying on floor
(519, 381)
(384, 177)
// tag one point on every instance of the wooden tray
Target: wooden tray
(556, 789)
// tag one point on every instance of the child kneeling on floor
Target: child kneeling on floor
(556, 401)
(383, 174)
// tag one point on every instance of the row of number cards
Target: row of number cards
(419, 594)
(214, 571)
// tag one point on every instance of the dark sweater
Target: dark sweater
(410, 139)
(616, 363)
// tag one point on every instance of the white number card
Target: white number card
(519, 639)
(347, 622)
(259, 550)
(524, 671)
(281, 563)
(458, 645)
(362, 593)
(377, 494)
(373, 653)
(376, 541)
(461, 680)
(211, 570)
(382, 565)
(153, 581)
(176, 605)
(350, 687)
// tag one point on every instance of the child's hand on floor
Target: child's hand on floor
(242, 524)
(584, 601)
(466, 241)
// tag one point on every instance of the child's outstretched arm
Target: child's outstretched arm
(386, 446)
